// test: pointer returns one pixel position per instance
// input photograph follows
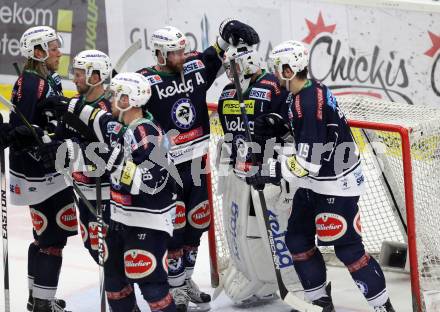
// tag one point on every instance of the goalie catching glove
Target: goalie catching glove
(272, 172)
(232, 31)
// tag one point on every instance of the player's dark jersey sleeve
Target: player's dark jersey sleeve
(28, 91)
(310, 127)
(212, 59)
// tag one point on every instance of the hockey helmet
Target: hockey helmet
(135, 86)
(93, 60)
(290, 53)
(38, 36)
(167, 39)
(247, 63)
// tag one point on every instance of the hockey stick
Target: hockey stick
(99, 218)
(4, 228)
(294, 301)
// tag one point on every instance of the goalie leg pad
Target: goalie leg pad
(365, 272)
(247, 276)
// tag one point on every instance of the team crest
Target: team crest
(183, 113)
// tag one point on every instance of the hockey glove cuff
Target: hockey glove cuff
(268, 173)
(295, 168)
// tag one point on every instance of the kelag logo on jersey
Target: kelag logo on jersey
(260, 94)
(183, 113)
(81, 24)
(192, 66)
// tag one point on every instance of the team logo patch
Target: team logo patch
(260, 94)
(183, 113)
(114, 127)
(192, 66)
(84, 232)
(357, 224)
(94, 234)
(139, 263)
(66, 218)
(330, 226)
(39, 221)
(154, 79)
(228, 94)
(179, 217)
(175, 265)
(362, 287)
(200, 216)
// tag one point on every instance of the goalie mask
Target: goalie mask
(289, 53)
(246, 60)
(134, 88)
(167, 39)
(93, 61)
(38, 36)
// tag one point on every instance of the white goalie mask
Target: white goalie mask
(133, 85)
(167, 39)
(289, 53)
(38, 36)
(93, 61)
(246, 60)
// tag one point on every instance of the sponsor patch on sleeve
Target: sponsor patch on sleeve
(154, 79)
(192, 66)
(228, 94)
(260, 94)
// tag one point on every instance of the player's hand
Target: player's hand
(232, 31)
(58, 105)
(271, 126)
(22, 137)
(48, 155)
(268, 173)
(5, 128)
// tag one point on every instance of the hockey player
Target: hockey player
(247, 279)
(90, 69)
(179, 85)
(328, 172)
(44, 190)
(142, 195)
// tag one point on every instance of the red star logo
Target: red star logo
(435, 44)
(316, 29)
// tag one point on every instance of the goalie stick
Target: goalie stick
(290, 298)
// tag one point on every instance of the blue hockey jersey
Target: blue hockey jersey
(263, 96)
(30, 183)
(324, 143)
(178, 102)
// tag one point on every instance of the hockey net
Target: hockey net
(400, 150)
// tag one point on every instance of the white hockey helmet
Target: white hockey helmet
(133, 85)
(93, 60)
(291, 53)
(247, 61)
(38, 36)
(167, 39)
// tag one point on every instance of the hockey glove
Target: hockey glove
(48, 154)
(271, 126)
(232, 31)
(57, 105)
(268, 173)
(22, 137)
(5, 128)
